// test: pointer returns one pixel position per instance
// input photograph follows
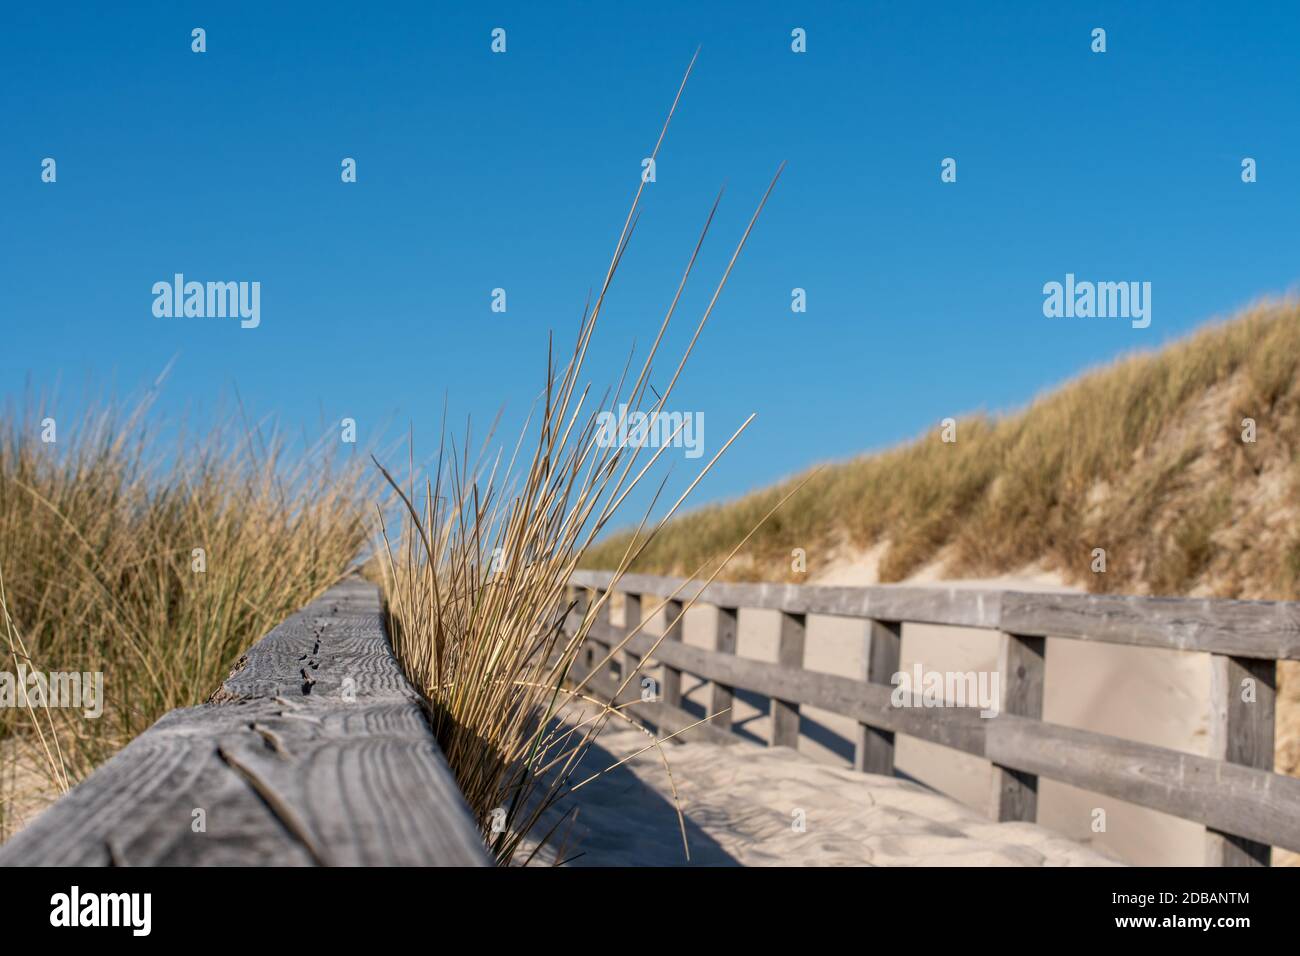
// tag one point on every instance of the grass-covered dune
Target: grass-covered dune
(1144, 458)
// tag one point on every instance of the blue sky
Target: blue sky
(478, 171)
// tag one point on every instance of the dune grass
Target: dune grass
(476, 582)
(1143, 458)
(100, 571)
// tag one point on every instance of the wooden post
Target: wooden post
(580, 599)
(601, 626)
(1021, 666)
(1241, 731)
(873, 751)
(631, 620)
(671, 691)
(724, 642)
(784, 714)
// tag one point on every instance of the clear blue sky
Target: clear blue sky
(478, 170)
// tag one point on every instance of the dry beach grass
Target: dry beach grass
(99, 573)
(476, 581)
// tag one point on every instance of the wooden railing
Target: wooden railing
(314, 751)
(1245, 807)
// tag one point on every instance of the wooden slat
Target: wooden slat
(1021, 668)
(628, 660)
(1259, 629)
(873, 750)
(784, 714)
(968, 607)
(721, 694)
(1252, 803)
(341, 769)
(959, 727)
(664, 717)
(672, 676)
(1241, 732)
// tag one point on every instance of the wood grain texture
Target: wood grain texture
(1242, 712)
(1260, 629)
(1244, 801)
(721, 693)
(658, 714)
(315, 751)
(959, 727)
(789, 653)
(628, 661)
(1021, 666)
(672, 676)
(873, 750)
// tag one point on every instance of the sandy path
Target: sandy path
(742, 803)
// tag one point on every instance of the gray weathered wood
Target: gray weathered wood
(935, 605)
(628, 660)
(1021, 667)
(1244, 806)
(1260, 629)
(337, 767)
(722, 695)
(1241, 731)
(664, 717)
(873, 750)
(784, 714)
(1252, 803)
(672, 676)
(957, 727)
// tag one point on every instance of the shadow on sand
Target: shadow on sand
(624, 822)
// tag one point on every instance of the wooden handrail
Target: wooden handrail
(1268, 630)
(314, 751)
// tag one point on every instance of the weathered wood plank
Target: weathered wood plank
(1244, 801)
(934, 605)
(959, 727)
(628, 660)
(721, 694)
(314, 751)
(672, 676)
(1259, 629)
(1242, 710)
(873, 750)
(659, 714)
(1021, 666)
(784, 714)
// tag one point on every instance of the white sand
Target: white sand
(743, 804)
